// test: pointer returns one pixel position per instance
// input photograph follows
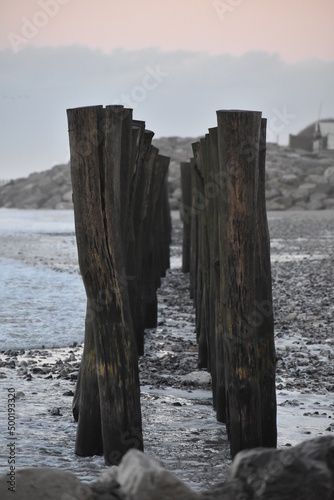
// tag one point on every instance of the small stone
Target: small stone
(55, 412)
(291, 317)
(68, 393)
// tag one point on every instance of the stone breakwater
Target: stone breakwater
(299, 181)
(51, 189)
(295, 180)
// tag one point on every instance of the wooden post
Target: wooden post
(218, 180)
(185, 214)
(193, 234)
(238, 146)
(166, 224)
(230, 276)
(202, 259)
(263, 317)
(213, 194)
(145, 173)
(151, 270)
(143, 140)
(138, 130)
(110, 358)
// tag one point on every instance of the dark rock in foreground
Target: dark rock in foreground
(303, 471)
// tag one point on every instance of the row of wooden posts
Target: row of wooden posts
(123, 231)
(226, 248)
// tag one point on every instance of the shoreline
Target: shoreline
(178, 420)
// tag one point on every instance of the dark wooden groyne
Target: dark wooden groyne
(123, 232)
(123, 229)
(226, 248)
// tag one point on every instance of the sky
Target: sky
(175, 63)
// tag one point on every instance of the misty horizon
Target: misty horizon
(176, 93)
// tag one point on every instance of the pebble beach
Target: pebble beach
(179, 423)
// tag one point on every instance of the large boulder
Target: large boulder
(305, 471)
(43, 483)
(142, 477)
(329, 174)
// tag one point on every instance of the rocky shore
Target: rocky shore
(179, 423)
(295, 180)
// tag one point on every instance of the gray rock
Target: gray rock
(177, 193)
(284, 201)
(272, 193)
(44, 483)
(274, 205)
(142, 477)
(200, 377)
(272, 173)
(174, 204)
(304, 471)
(273, 184)
(309, 187)
(53, 201)
(318, 196)
(315, 205)
(289, 179)
(233, 489)
(46, 184)
(329, 174)
(320, 449)
(68, 196)
(329, 203)
(315, 179)
(291, 317)
(107, 487)
(63, 205)
(326, 188)
(300, 195)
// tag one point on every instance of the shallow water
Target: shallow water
(39, 307)
(39, 304)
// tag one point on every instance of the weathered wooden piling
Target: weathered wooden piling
(112, 163)
(238, 146)
(185, 214)
(264, 305)
(231, 277)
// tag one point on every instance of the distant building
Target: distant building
(315, 137)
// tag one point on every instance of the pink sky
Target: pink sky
(296, 29)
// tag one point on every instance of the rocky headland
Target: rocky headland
(295, 180)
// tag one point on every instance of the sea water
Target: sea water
(40, 305)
